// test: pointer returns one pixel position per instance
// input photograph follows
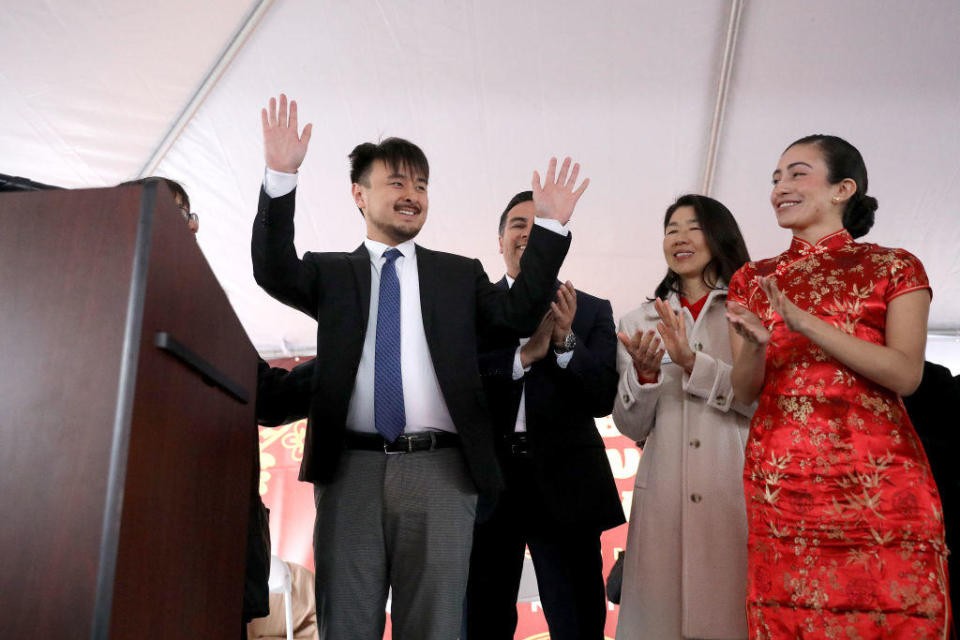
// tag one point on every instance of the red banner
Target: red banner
(292, 510)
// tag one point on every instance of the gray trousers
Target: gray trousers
(401, 521)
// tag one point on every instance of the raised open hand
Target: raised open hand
(644, 349)
(673, 331)
(556, 198)
(283, 146)
(564, 308)
(747, 325)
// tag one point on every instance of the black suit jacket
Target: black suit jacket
(931, 409)
(283, 396)
(571, 467)
(456, 299)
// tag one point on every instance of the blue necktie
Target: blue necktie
(389, 414)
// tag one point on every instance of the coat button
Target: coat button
(698, 346)
(626, 398)
(720, 399)
(695, 497)
(695, 443)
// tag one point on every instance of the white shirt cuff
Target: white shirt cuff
(563, 359)
(518, 369)
(552, 225)
(278, 183)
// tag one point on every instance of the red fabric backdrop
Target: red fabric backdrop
(292, 510)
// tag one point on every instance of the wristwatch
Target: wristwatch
(569, 344)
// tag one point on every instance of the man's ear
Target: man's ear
(359, 198)
(500, 243)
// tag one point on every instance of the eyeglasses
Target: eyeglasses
(188, 215)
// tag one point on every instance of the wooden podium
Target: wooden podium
(127, 428)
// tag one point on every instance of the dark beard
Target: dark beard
(397, 233)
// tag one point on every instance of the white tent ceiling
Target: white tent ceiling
(95, 92)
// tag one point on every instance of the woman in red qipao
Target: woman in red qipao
(846, 532)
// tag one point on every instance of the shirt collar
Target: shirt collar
(510, 281)
(377, 249)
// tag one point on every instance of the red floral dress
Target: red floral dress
(845, 525)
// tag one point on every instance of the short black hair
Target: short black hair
(396, 153)
(523, 196)
(175, 187)
(728, 251)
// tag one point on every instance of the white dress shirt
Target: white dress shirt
(423, 401)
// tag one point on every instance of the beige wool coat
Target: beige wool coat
(685, 568)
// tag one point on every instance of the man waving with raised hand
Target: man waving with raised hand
(399, 439)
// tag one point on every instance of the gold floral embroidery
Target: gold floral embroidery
(878, 405)
(885, 260)
(798, 407)
(844, 377)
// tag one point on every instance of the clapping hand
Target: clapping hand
(673, 331)
(793, 316)
(747, 325)
(564, 308)
(644, 349)
(539, 343)
(283, 147)
(556, 198)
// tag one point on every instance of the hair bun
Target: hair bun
(858, 217)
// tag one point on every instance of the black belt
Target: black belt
(516, 444)
(423, 441)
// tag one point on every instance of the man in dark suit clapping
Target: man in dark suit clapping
(399, 440)
(544, 393)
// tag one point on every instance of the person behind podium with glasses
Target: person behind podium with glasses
(179, 195)
(282, 397)
(685, 565)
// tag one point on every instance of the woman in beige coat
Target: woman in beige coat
(684, 573)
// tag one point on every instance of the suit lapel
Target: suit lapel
(360, 261)
(427, 274)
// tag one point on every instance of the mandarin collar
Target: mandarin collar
(831, 241)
